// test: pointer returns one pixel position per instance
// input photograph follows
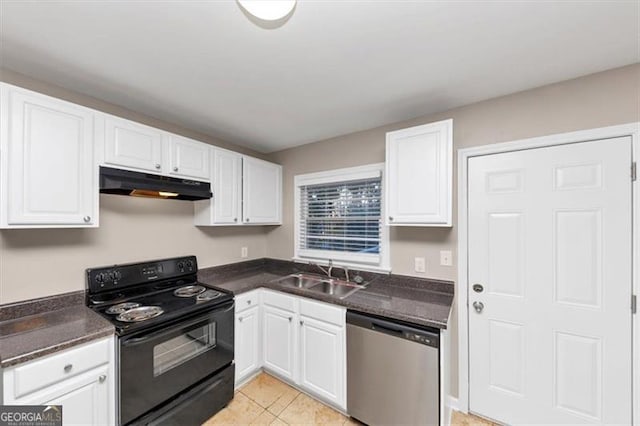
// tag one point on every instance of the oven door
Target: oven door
(158, 364)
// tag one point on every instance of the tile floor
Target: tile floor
(266, 400)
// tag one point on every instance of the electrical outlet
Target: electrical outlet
(420, 264)
(445, 258)
(244, 252)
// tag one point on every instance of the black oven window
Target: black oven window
(182, 348)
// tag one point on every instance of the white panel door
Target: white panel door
(261, 192)
(279, 339)
(550, 244)
(86, 402)
(50, 168)
(322, 359)
(419, 175)
(247, 343)
(189, 158)
(133, 145)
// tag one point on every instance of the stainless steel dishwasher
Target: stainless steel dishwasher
(393, 374)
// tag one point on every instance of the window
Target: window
(339, 216)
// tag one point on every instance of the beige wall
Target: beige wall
(597, 100)
(131, 229)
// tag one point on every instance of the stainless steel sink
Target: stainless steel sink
(301, 280)
(320, 284)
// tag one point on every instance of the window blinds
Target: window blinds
(341, 217)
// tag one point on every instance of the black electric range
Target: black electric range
(175, 340)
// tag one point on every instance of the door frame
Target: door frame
(462, 304)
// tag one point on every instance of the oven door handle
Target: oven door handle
(138, 340)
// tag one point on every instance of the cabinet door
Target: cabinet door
(227, 176)
(279, 339)
(49, 171)
(261, 192)
(247, 343)
(419, 175)
(323, 360)
(189, 158)
(85, 403)
(133, 145)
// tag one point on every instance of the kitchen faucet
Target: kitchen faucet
(329, 270)
(326, 271)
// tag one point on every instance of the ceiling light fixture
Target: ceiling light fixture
(268, 10)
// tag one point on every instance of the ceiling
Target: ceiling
(333, 68)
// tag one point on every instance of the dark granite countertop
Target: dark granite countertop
(414, 300)
(31, 329)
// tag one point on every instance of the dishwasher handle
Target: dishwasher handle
(423, 335)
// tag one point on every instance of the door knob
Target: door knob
(478, 306)
(478, 288)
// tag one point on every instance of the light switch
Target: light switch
(420, 264)
(445, 258)
(244, 252)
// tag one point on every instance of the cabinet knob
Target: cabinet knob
(240, 319)
(248, 302)
(87, 219)
(301, 322)
(157, 166)
(391, 218)
(290, 319)
(235, 219)
(102, 378)
(68, 368)
(246, 220)
(175, 169)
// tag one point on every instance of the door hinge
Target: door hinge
(634, 171)
(634, 304)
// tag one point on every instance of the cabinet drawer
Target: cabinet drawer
(323, 312)
(279, 300)
(44, 372)
(248, 300)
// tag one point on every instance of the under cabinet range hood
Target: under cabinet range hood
(138, 184)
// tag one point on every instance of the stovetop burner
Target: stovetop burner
(189, 291)
(208, 295)
(140, 313)
(122, 307)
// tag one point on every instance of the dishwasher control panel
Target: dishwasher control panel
(420, 338)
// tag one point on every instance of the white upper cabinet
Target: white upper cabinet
(189, 158)
(246, 191)
(133, 145)
(48, 175)
(226, 184)
(419, 168)
(261, 192)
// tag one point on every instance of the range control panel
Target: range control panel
(119, 276)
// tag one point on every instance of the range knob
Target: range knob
(181, 266)
(190, 264)
(117, 275)
(100, 278)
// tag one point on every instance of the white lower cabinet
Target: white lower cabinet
(280, 342)
(248, 336)
(304, 343)
(323, 351)
(81, 379)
